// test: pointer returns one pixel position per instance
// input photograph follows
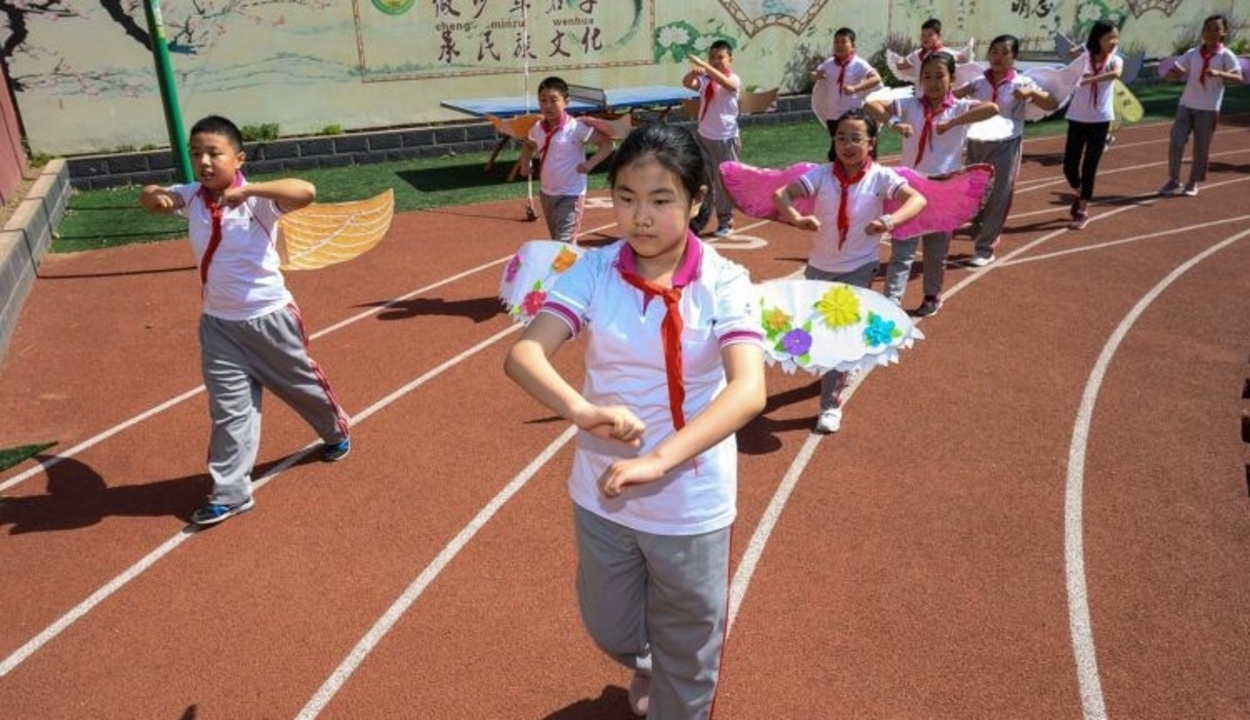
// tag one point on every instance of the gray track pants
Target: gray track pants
(657, 604)
(238, 359)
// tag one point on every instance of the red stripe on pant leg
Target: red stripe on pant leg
(340, 417)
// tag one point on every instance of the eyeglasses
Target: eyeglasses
(849, 139)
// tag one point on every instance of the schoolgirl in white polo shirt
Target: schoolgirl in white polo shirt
(1205, 69)
(1090, 113)
(849, 219)
(934, 126)
(674, 366)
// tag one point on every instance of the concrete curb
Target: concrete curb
(24, 240)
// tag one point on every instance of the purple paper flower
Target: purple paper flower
(797, 342)
(514, 266)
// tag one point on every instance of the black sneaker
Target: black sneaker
(929, 307)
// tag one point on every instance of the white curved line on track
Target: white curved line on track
(1080, 628)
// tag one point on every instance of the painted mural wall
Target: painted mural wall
(85, 81)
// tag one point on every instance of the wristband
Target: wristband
(894, 120)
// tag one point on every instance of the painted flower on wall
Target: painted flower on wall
(679, 40)
(1091, 11)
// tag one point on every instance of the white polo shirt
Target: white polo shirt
(832, 102)
(567, 150)
(943, 152)
(1095, 102)
(1210, 95)
(718, 120)
(1003, 95)
(244, 279)
(625, 366)
(865, 203)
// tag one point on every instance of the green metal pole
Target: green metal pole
(169, 91)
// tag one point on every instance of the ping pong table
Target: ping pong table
(508, 113)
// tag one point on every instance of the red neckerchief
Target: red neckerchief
(842, 69)
(1096, 70)
(994, 86)
(924, 54)
(844, 217)
(551, 132)
(1206, 61)
(930, 116)
(708, 91)
(671, 329)
(215, 211)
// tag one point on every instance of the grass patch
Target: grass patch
(13, 456)
(107, 218)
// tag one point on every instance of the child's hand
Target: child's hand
(612, 422)
(876, 227)
(633, 471)
(159, 201)
(1022, 93)
(700, 65)
(942, 126)
(904, 129)
(584, 168)
(234, 196)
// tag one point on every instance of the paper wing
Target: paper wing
(531, 273)
(324, 234)
(819, 326)
(893, 59)
(992, 128)
(1127, 107)
(752, 188)
(888, 95)
(967, 72)
(954, 199)
(821, 98)
(967, 52)
(614, 127)
(517, 127)
(1058, 80)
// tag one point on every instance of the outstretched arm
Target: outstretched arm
(157, 199)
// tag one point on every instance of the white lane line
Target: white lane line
(1080, 627)
(56, 628)
(53, 460)
(387, 621)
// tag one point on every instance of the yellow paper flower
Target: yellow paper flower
(776, 320)
(839, 307)
(564, 260)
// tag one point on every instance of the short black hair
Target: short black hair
(555, 83)
(218, 125)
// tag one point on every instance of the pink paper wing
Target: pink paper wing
(752, 188)
(967, 72)
(953, 199)
(1059, 81)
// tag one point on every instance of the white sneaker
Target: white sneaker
(1190, 190)
(979, 261)
(830, 421)
(640, 694)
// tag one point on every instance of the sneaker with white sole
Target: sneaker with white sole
(979, 261)
(1190, 190)
(640, 694)
(830, 421)
(1172, 187)
(213, 513)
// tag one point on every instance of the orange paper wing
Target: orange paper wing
(328, 233)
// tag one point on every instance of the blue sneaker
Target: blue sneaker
(333, 452)
(213, 513)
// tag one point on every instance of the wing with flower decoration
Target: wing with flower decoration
(953, 199)
(1127, 107)
(752, 188)
(324, 234)
(820, 326)
(530, 274)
